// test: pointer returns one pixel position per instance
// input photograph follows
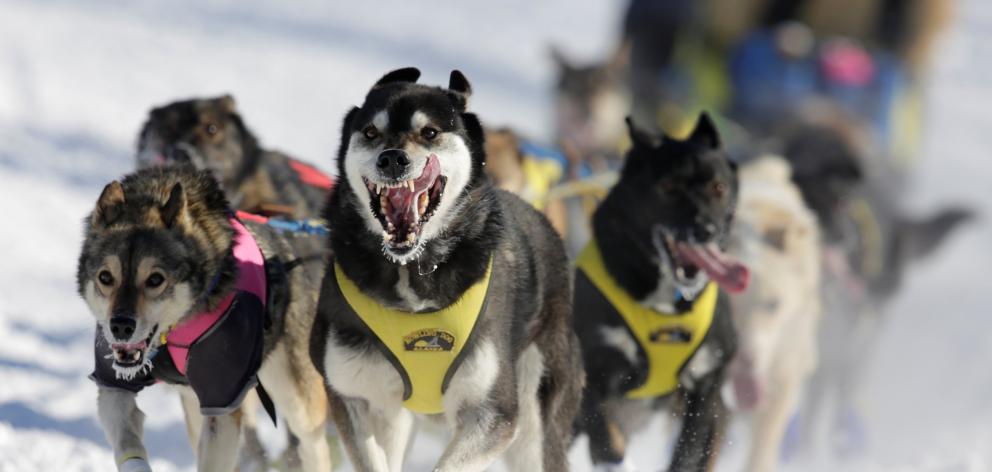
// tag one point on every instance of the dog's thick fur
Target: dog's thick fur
(210, 134)
(869, 243)
(777, 236)
(518, 388)
(171, 223)
(668, 191)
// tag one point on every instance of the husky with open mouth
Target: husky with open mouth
(650, 306)
(186, 292)
(446, 298)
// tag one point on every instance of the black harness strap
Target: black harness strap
(267, 403)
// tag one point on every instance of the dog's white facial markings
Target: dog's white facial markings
(99, 305)
(359, 163)
(456, 165)
(418, 120)
(471, 383)
(363, 374)
(168, 310)
(619, 339)
(381, 120)
(455, 161)
(526, 452)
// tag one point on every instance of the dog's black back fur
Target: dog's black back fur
(529, 297)
(664, 182)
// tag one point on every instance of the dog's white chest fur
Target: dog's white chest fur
(368, 375)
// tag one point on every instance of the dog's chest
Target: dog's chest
(424, 349)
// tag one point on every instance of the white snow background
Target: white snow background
(77, 78)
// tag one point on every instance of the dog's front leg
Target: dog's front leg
(219, 438)
(122, 422)
(482, 433)
(354, 422)
(703, 421)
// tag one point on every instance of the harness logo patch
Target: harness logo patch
(671, 335)
(429, 340)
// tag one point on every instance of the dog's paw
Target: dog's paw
(134, 464)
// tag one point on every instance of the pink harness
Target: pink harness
(251, 278)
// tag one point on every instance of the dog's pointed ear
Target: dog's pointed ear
(173, 209)
(460, 89)
(459, 83)
(406, 74)
(228, 104)
(639, 137)
(109, 205)
(705, 132)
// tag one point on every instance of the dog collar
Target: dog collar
(251, 279)
(425, 348)
(668, 340)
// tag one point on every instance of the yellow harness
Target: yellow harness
(540, 175)
(669, 340)
(426, 345)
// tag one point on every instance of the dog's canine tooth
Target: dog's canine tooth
(378, 189)
(409, 184)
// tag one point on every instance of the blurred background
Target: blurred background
(78, 78)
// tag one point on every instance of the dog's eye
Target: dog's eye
(428, 133)
(718, 188)
(105, 277)
(154, 280)
(370, 132)
(212, 129)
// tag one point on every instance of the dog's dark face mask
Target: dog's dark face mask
(209, 134)
(682, 195)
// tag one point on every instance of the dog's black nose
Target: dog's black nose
(393, 163)
(122, 327)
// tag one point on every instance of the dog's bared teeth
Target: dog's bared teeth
(136, 355)
(378, 189)
(409, 184)
(680, 272)
(386, 236)
(422, 204)
(410, 237)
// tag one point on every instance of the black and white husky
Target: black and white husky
(424, 244)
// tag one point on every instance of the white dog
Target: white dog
(777, 236)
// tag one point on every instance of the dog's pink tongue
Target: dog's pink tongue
(720, 267)
(403, 201)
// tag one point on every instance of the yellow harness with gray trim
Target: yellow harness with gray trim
(425, 345)
(669, 340)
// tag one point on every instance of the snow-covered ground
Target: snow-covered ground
(76, 79)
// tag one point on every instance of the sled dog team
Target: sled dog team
(433, 295)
